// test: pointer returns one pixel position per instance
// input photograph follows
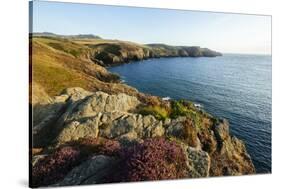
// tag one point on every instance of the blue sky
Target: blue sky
(234, 33)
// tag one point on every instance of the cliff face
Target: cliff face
(118, 53)
(89, 128)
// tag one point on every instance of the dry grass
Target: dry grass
(50, 70)
(54, 69)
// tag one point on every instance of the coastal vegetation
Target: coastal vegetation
(88, 127)
(158, 112)
(174, 110)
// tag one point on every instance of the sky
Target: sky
(224, 32)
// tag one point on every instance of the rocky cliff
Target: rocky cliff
(118, 53)
(112, 52)
(89, 128)
(78, 114)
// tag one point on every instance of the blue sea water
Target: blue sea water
(232, 86)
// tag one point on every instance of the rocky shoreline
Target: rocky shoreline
(120, 53)
(104, 131)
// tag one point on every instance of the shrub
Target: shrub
(184, 108)
(113, 77)
(215, 120)
(187, 104)
(178, 109)
(65, 48)
(154, 159)
(75, 53)
(87, 145)
(57, 46)
(110, 147)
(91, 145)
(114, 49)
(53, 168)
(157, 111)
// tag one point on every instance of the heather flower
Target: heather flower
(53, 168)
(154, 159)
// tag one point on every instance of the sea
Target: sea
(237, 87)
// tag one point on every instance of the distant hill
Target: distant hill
(79, 36)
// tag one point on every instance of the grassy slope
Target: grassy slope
(55, 67)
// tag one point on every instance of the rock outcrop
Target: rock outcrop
(86, 114)
(96, 115)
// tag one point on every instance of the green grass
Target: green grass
(113, 48)
(184, 108)
(157, 111)
(178, 108)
